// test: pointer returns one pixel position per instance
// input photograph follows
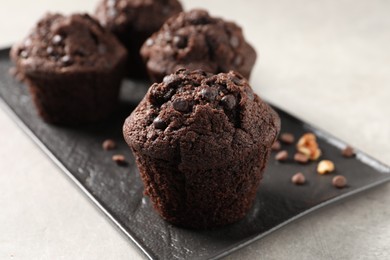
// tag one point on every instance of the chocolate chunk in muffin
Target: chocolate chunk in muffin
(73, 68)
(133, 21)
(201, 142)
(195, 40)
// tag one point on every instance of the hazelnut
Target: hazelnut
(325, 166)
(308, 146)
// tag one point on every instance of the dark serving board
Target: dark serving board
(117, 191)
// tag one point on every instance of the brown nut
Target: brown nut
(339, 181)
(348, 152)
(276, 146)
(301, 158)
(308, 145)
(287, 138)
(281, 156)
(325, 166)
(298, 178)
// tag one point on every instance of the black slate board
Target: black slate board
(117, 191)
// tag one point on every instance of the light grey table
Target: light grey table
(327, 62)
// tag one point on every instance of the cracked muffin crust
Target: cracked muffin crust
(195, 40)
(133, 21)
(201, 143)
(73, 68)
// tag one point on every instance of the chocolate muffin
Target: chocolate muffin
(73, 68)
(133, 21)
(201, 143)
(195, 40)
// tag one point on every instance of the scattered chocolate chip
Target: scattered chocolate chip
(66, 60)
(281, 156)
(234, 41)
(348, 152)
(180, 41)
(276, 146)
(287, 138)
(109, 144)
(159, 123)
(57, 39)
(228, 101)
(301, 158)
(119, 159)
(339, 181)
(180, 105)
(209, 93)
(298, 178)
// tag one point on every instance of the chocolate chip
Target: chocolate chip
(180, 105)
(149, 42)
(119, 159)
(66, 60)
(24, 54)
(209, 93)
(169, 79)
(237, 81)
(348, 152)
(250, 94)
(298, 178)
(27, 42)
(102, 48)
(109, 144)
(276, 146)
(180, 41)
(57, 39)
(50, 50)
(234, 41)
(301, 158)
(238, 60)
(229, 102)
(159, 123)
(287, 138)
(281, 156)
(339, 181)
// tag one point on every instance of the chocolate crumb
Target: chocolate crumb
(298, 178)
(119, 159)
(301, 158)
(276, 146)
(348, 152)
(281, 156)
(109, 144)
(339, 181)
(287, 138)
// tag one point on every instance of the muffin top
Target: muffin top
(75, 43)
(195, 40)
(137, 15)
(194, 112)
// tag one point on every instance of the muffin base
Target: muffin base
(201, 199)
(75, 98)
